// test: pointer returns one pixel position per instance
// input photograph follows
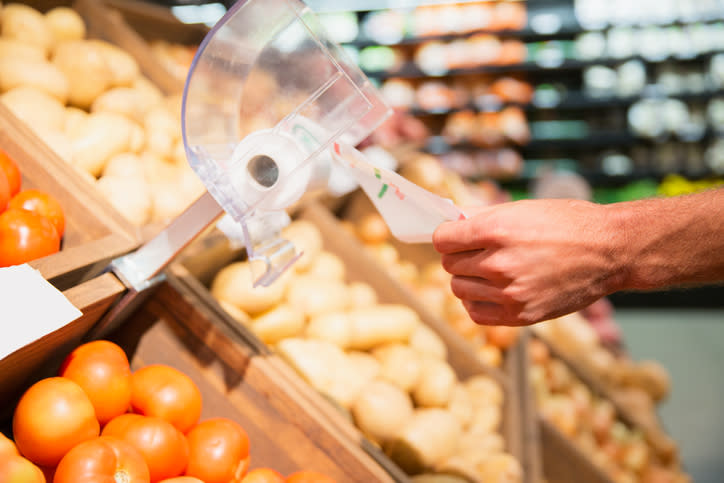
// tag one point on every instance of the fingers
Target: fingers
(485, 313)
(463, 235)
(476, 289)
(470, 264)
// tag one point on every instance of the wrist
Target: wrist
(621, 226)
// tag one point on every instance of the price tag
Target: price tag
(31, 308)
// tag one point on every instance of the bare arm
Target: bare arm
(520, 263)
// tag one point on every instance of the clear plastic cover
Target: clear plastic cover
(266, 96)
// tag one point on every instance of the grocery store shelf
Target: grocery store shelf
(581, 101)
(411, 71)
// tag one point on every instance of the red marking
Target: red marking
(461, 217)
(398, 193)
(336, 149)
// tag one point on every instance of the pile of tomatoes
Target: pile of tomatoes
(31, 221)
(77, 428)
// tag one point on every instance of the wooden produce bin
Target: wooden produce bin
(95, 232)
(197, 267)
(93, 298)
(563, 461)
(235, 381)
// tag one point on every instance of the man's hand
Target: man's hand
(525, 262)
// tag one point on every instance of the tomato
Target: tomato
(12, 173)
(7, 447)
(4, 192)
(118, 425)
(25, 236)
(182, 479)
(263, 475)
(218, 451)
(16, 469)
(42, 204)
(307, 476)
(164, 447)
(52, 417)
(101, 369)
(102, 460)
(166, 393)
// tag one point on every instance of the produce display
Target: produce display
(32, 222)
(176, 58)
(637, 385)
(77, 427)
(622, 451)
(87, 100)
(378, 362)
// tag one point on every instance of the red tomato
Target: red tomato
(164, 447)
(42, 204)
(4, 192)
(12, 172)
(166, 393)
(102, 460)
(117, 426)
(182, 479)
(25, 236)
(263, 475)
(52, 417)
(218, 451)
(16, 469)
(307, 476)
(101, 369)
(7, 447)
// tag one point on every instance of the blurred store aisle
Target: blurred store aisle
(690, 343)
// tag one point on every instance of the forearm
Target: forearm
(669, 242)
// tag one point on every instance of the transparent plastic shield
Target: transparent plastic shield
(266, 96)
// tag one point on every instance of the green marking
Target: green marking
(307, 137)
(382, 191)
(377, 174)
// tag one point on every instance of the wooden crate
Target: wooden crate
(196, 268)
(95, 232)
(93, 298)
(563, 461)
(235, 381)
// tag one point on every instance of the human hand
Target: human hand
(528, 261)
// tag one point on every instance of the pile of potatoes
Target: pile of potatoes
(378, 362)
(638, 385)
(591, 421)
(88, 101)
(432, 284)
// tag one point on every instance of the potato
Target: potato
(486, 419)
(490, 355)
(334, 327)
(481, 442)
(25, 24)
(560, 411)
(158, 170)
(35, 108)
(313, 360)
(168, 201)
(178, 154)
(327, 266)
(382, 410)
(11, 48)
(278, 323)
(484, 391)
(234, 284)
(98, 139)
(124, 68)
(160, 119)
(57, 141)
(429, 437)
(130, 196)
(461, 405)
(400, 365)
(437, 478)
(189, 184)
(435, 275)
(86, 69)
(306, 239)
(436, 384)
(361, 295)
(501, 336)
(428, 343)
(137, 142)
(152, 95)
(372, 229)
(383, 324)
(126, 101)
(65, 24)
(124, 165)
(315, 296)
(350, 379)
(385, 253)
(41, 74)
(74, 119)
(236, 313)
(500, 468)
(159, 143)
